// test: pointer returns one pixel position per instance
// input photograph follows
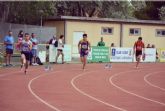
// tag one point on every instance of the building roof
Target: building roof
(107, 20)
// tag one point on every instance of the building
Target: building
(121, 32)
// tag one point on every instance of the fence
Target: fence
(42, 33)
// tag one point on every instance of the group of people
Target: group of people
(150, 46)
(27, 46)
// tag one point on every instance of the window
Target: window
(160, 32)
(135, 31)
(107, 31)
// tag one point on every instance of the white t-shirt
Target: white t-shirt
(53, 41)
(60, 44)
(26, 46)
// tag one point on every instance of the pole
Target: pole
(40, 30)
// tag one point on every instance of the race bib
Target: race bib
(139, 48)
(84, 46)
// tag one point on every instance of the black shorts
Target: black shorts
(59, 50)
(27, 55)
(138, 53)
(9, 51)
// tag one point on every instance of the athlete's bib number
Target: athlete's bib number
(139, 48)
(84, 46)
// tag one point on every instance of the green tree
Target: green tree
(25, 12)
(162, 13)
(149, 11)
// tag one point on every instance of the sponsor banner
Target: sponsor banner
(53, 53)
(42, 56)
(99, 54)
(162, 55)
(121, 54)
(67, 54)
(150, 55)
(42, 52)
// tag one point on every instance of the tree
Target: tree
(95, 9)
(162, 13)
(25, 12)
(149, 10)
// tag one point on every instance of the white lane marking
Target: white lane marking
(89, 96)
(126, 91)
(151, 84)
(39, 98)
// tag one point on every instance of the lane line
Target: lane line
(151, 84)
(89, 96)
(131, 93)
(39, 98)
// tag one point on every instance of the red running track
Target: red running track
(68, 88)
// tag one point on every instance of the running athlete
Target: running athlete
(138, 49)
(26, 47)
(84, 47)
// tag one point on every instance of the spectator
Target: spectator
(148, 46)
(9, 44)
(60, 49)
(109, 65)
(20, 34)
(157, 56)
(34, 48)
(20, 38)
(52, 40)
(101, 43)
(112, 45)
(153, 46)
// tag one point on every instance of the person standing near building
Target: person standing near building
(26, 47)
(9, 45)
(148, 46)
(84, 47)
(101, 43)
(34, 48)
(109, 65)
(139, 50)
(52, 40)
(60, 47)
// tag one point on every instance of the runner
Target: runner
(26, 52)
(84, 47)
(138, 49)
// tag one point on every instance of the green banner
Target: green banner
(100, 54)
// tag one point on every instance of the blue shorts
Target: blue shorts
(34, 52)
(83, 53)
